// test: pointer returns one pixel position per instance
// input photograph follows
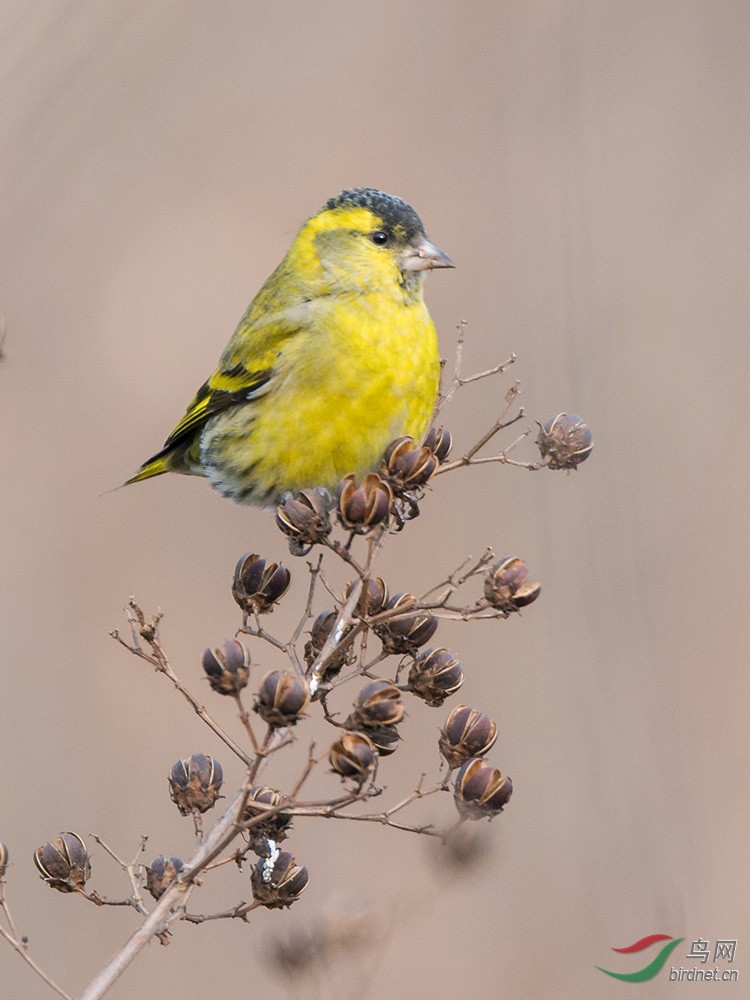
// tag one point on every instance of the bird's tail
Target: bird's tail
(155, 466)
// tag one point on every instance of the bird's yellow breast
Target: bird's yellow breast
(363, 371)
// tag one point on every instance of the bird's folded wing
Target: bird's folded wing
(245, 372)
(238, 380)
(222, 390)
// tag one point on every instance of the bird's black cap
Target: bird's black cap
(394, 212)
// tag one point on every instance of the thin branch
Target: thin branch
(237, 857)
(339, 638)
(457, 579)
(342, 551)
(274, 740)
(21, 949)
(330, 811)
(171, 905)
(130, 869)
(307, 613)
(470, 459)
(6, 910)
(459, 379)
(99, 900)
(158, 659)
(312, 762)
(245, 720)
(240, 911)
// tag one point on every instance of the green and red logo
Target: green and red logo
(654, 966)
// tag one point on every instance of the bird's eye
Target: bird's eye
(379, 238)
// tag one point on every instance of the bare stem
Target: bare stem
(245, 720)
(158, 659)
(171, 906)
(457, 579)
(21, 949)
(307, 613)
(131, 869)
(259, 632)
(240, 911)
(460, 379)
(6, 910)
(339, 638)
(342, 551)
(312, 762)
(470, 457)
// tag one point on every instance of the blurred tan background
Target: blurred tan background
(587, 166)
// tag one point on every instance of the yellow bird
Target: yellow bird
(335, 357)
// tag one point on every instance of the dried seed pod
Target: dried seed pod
(265, 828)
(378, 704)
(319, 633)
(507, 587)
(407, 465)
(228, 669)
(353, 756)
(385, 739)
(3, 859)
(565, 441)
(439, 441)
(282, 698)
(407, 632)
(466, 733)
(377, 595)
(435, 675)
(258, 585)
(64, 863)
(365, 506)
(305, 517)
(279, 884)
(481, 790)
(161, 873)
(195, 783)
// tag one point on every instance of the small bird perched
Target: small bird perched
(335, 357)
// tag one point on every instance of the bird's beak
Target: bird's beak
(424, 257)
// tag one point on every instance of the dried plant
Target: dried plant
(371, 643)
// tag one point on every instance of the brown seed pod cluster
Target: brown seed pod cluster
(258, 585)
(263, 824)
(370, 506)
(64, 863)
(280, 883)
(353, 756)
(282, 698)
(466, 733)
(228, 668)
(480, 790)
(195, 783)
(565, 441)
(507, 586)
(408, 467)
(319, 634)
(366, 505)
(435, 675)
(305, 519)
(378, 704)
(404, 631)
(373, 597)
(161, 873)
